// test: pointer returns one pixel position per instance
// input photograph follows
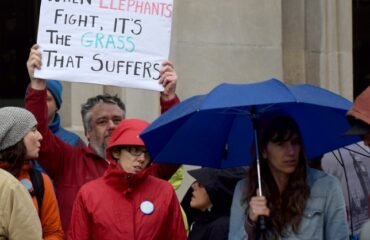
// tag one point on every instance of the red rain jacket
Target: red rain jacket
(110, 208)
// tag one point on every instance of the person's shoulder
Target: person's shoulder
(319, 175)
(48, 184)
(91, 186)
(318, 179)
(8, 179)
(242, 182)
(9, 185)
(159, 182)
(163, 186)
(45, 176)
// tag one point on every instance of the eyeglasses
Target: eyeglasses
(137, 151)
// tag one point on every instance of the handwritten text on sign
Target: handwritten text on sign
(110, 42)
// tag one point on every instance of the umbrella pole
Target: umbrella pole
(258, 164)
(261, 219)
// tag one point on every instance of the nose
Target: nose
(194, 185)
(291, 148)
(141, 157)
(39, 136)
(111, 124)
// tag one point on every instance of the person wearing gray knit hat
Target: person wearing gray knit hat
(20, 143)
(16, 142)
(15, 123)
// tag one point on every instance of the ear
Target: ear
(87, 134)
(116, 153)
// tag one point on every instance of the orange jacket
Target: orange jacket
(49, 214)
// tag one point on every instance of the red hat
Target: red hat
(127, 133)
(359, 114)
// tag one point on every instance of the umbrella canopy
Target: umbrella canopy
(216, 129)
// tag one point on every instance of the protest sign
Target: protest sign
(110, 42)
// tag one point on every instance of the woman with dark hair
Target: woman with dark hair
(20, 143)
(297, 202)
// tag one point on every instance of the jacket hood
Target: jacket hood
(220, 185)
(127, 133)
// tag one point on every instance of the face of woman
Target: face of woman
(200, 199)
(32, 141)
(132, 159)
(283, 156)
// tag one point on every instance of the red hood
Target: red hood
(127, 133)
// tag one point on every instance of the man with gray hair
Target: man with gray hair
(70, 166)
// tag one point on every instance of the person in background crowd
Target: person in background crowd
(212, 196)
(54, 102)
(70, 167)
(297, 203)
(19, 219)
(359, 119)
(127, 202)
(20, 142)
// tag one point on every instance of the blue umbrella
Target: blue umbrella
(216, 130)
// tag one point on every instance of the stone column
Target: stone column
(317, 43)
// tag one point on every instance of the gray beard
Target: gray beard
(100, 150)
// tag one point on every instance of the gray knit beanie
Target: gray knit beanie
(15, 123)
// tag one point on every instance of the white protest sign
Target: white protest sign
(109, 42)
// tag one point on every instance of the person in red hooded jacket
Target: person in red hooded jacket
(127, 202)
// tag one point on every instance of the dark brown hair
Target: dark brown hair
(12, 158)
(286, 208)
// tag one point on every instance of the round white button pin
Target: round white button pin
(147, 207)
(27, 184)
